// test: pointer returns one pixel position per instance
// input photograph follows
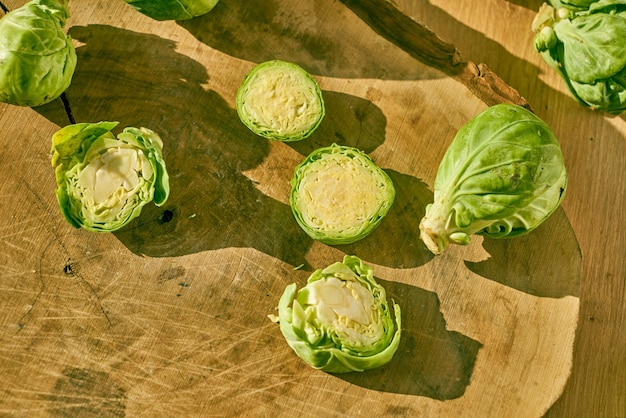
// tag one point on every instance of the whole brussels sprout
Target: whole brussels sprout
(173, 9)
(340, 321)
(103, 181)
(339, 196)
(279, 100)
(585, 42)
(37, 60)
(502, 176)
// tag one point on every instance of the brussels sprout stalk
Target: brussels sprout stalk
(340, 321)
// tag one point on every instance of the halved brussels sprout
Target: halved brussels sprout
(502, 176)
(37, 60)
(173, 9)
(103, 181)
(340, 321)
(279, 100)
(338, 195)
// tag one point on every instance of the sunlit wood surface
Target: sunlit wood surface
(169, 316)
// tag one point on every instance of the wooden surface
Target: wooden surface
(168, 317)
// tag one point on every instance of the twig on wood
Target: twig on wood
(4, 8)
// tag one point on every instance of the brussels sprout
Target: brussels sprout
(103, 181)
(37, 60)
(173, 9)
(502, 176)
(279, 100)
(585, 42)
(338, 195)
(340, 321)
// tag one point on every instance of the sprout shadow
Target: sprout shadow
(547, 262)
(140, 80)
(396, 241)
(431, 361)
(212, 204)
(350, 121)
(326, 38)
(533, 5)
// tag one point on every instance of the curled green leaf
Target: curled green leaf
(584, 41)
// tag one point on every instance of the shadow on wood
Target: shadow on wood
(546, 262)
(325, 38)
(431, 360)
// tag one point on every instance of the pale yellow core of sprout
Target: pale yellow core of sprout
(284, 101)
(348, 308)
(339, 194)
(110, 179)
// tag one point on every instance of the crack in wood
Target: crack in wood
(69, 268)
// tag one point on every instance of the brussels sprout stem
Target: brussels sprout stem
(68, 108)
(435, 242)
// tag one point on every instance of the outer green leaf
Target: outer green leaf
(279, 100)
(103, 181)
(585, 43)
(502, 176)
(593, 46)
(173, 9)
(339, 196)
(37, 59)
(340, 321)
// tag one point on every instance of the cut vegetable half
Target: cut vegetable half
(340, 321)
(339, 196)
(279, 100)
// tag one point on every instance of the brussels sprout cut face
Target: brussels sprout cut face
(173, 9)
(37, 60)
(340, 321)
(281, 101)
(338, 195)
(502, 176)
(103, 181)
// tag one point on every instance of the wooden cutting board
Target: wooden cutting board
(169, 316)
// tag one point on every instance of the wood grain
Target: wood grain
(168, 317)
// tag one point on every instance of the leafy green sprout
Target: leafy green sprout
(501, 177)
(103, 182)
(340, 321)
(37, 59)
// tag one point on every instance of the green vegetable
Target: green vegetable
(37, 60)
(340, 321)
(338, 195)
(502, 176)
(585, 42)
(279, 100)
(173, 9)
(103, 181)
